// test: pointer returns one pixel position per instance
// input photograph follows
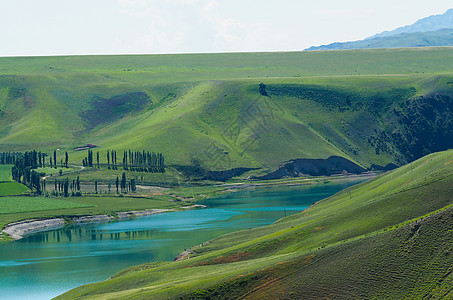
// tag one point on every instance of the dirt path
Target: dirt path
(69, 172)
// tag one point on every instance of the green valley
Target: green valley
(127, 134)
(191, 149)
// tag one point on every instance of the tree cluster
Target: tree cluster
(138, 161)
(67, 188)
(9, 158)
(144, 161)
(125, 186)
(88, 161)
(23, 169)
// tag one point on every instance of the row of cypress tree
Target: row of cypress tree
(138, 161)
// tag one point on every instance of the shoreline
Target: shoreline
(18, 230)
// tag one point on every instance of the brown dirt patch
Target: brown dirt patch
(448, 162)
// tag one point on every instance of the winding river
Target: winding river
(44, 265)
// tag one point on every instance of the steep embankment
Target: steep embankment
(387, 238)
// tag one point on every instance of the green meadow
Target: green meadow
(10, 205)
(12, 188)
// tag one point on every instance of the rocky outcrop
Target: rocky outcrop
(183, 255)
(226, 174)
(92, 219)
(314, 167)
(141, 213)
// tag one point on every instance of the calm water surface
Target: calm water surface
(44, 265)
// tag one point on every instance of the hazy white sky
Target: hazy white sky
(49, 27)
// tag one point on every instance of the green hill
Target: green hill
(386, 238)
(372, 107)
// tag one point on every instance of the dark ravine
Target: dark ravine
(314, 167)
(227, 174)
(196, 172)
(387, 167)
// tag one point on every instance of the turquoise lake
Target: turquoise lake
(44, 265)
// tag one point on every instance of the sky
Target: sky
(80, 27)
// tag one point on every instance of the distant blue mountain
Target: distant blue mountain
(443, 37)
(432, 23)
(427, 32)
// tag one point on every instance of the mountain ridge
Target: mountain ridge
(430, 23)
(439, 38)
(436, 30)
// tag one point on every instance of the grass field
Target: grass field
(14, 209)
(7, 186)
(12, 205)
(12, 188)
(5, 173)
(387, 238)
(207, 107)
(196, 67)
(52, 171)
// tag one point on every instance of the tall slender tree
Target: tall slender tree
(66, 187)
(78, 183)
(123, 182)
(108, 159)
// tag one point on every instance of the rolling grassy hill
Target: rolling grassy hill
(206, 110)
(386, 238)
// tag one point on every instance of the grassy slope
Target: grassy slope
(387, 238)
(12, 188)
(196, 97)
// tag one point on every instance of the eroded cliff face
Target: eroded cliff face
(315, 167)
(417, 127)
